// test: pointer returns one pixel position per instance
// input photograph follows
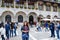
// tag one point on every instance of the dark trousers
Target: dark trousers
(52, 33)
(7, 34)
(2, 36)
(57, 32)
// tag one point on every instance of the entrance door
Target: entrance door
(8, 18)
(20, 18)
(31, 19)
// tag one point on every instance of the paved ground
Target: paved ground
(34, 35)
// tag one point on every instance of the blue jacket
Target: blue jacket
(51, 26)
(7, 27)
(46, 24)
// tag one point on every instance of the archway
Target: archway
(7, 16)
(48, 16)
(20, 16)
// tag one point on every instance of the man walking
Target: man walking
(52, 29)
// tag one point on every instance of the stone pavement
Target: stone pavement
(34, 35)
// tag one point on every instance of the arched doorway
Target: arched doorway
(20, 18)
(31, 19)
(8, 18)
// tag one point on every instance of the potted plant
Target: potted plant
(17, 7)
(21, 6)
(33, 8)
(2, 5)
(7, 6)
(25, 7)
(12, 6)
(36, 8)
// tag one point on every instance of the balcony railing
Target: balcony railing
(7, 5)
(19, 6)
(46, 0)
(52, 0)
(31, 6)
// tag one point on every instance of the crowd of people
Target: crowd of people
(53, 27)
(8, 29)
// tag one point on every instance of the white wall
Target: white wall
(27, 11)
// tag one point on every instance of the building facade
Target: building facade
(28, 10)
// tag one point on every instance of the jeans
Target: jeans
(15, 32)
(25, 37)
(7, 34)
(46, 29)
(2, 36)
(11, 33)
(57, 32)
(52, 33)
(39, 28)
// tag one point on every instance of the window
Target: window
(55, 8)
(40, 7)
(48, 8)
(20, 18)
(8, 18)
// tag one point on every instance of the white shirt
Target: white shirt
(2, 31)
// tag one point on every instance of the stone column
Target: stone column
(36, 4)
(0, 3)
(14, 3)
(44, 7)
(26, 4)
(51, 8)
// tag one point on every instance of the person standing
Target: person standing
(2, 32)
(11, 29)
(52, 29)
(46, 26)
(15, 28)
(57, 29)
(7, 28)
(25, 31)
(38, 26)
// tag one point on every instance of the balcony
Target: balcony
(30, 6)
(46, 0)
(19, 6)
(7, 5)
(54, 0)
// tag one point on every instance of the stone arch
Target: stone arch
(5, 13)
(55, 16)
(48, 16)
(32, 17)
(23, 14)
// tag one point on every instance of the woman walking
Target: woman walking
(25, 31)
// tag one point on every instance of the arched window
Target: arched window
(8, 18)
(20, 18)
